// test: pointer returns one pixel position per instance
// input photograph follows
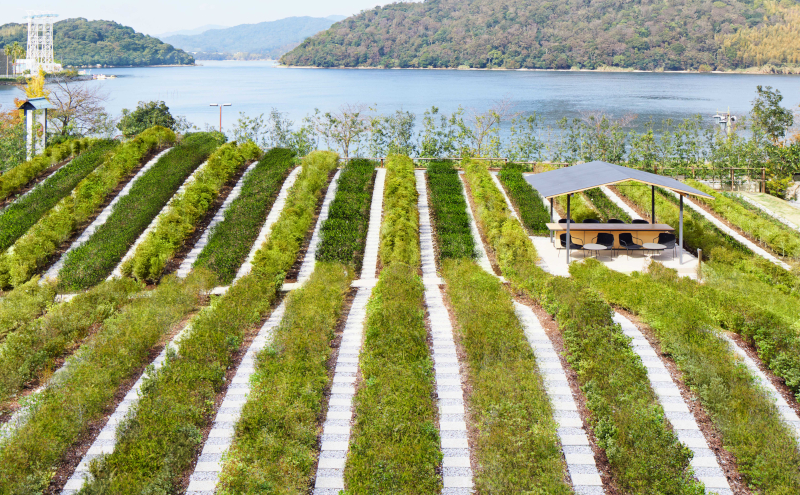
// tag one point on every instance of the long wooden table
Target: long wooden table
(584, 233)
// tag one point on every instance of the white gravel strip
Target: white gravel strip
(117, 273)
(191, 258)
(456, 467)
(574, 441)
(482, 259)
(311, 253)
(101, 219)
(705, 465)
(618, 201)
(502, 189)
(747, 242)
(769, 212)
(338, 422)
(272, 217)
(787, 413)
(107, 438)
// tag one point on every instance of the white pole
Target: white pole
(680, 234)
(29, 126)
(569, 239)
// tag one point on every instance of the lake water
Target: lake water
(257, 87)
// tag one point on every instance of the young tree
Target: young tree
(13, 51)
(391, 134)
(146, 115)
(80, 109)
(344, 128)
(12, 139)
(769, 115)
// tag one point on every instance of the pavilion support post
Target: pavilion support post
(680, 232)
(29, 129)
(551, 219)
(652, 204)
(43, 123)
(569, 239)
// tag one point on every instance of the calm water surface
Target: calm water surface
(257, 87)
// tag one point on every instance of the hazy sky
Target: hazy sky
(159, 16)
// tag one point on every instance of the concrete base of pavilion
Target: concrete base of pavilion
(555, 261)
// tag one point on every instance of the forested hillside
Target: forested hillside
(542, 34)
(80, 42)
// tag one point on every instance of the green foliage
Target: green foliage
(25, 303)
(30, 352)
(87, 386)
(81, 42)
(26, 211)
(492, 34)
(275, 445)
(230, 241)
(400, 227)
(21, 175)
(185, 210)
(579, 208)
(768, 113)
(345, 231)
(146, 115)
(95, 259)
(449, 211)
(278, 253)
(746, 417)
(516, 444)
(33, 250)
(394, 445)
(606, 208)
(526, 199)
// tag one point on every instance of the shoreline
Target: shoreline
(751, 71)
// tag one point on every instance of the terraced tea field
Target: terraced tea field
(194, 316)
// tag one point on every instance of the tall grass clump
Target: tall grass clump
(394, 445)
(178, 222)
(449, 210)
(94, 260)
(40, 243)
(580, 208)
(526, 199)
(26, 303)
(229, 242)
(26, 211)
(746, 417)
(62, 412)
(345, 230)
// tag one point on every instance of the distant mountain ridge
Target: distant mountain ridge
(542, 34)
(268, 39)
(79, 42)
(190, 32)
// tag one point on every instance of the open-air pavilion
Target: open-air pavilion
(613, 235)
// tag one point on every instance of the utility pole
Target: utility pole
(220, 111)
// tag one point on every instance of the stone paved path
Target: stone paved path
(770, 212)
(101, 219)
(482, 259)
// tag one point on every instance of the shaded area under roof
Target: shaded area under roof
(595, 174)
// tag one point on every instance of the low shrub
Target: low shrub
(62, 412)
(21, 175)
(94, 260)
(526, 199)
(345, 230)
(185, 210)
(229, 242)
(449, 212)
(579, 207)
(26, 303)
(400, 227)
(41, 242)
(26, 211)
(516, 445)
(607, 208)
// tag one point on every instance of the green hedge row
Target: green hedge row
(30, 352)
(26, 211)
(178, 222)
(21, 175)
(345, 230)
(87, 387)
(626, 419)
(400, 227)
(94, 260)
(449, 211)
(526, 199)
(33, 250)
(27, 302)
(580, 208)
(607, 208)
(161, 439)
(751, 428)
(516, 446)
(230, 241)
(275, 445)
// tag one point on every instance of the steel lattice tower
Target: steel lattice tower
(40, 41)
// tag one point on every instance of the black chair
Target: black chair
(668, 241)
(564, 220)
(572, 245)
(590, 220)
(605, 239)
(615, 220)
(626, 241)
(639, 220)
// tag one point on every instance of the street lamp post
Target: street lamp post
(220, 112)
